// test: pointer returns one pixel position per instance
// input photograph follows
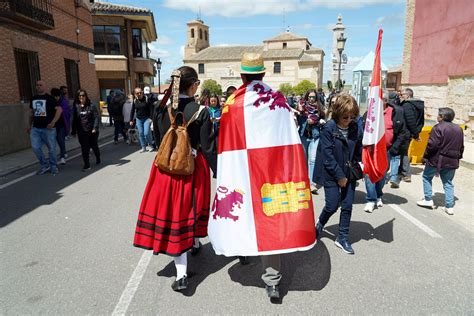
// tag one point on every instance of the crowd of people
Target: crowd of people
(175, 207)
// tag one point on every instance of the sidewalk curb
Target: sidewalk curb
(466, 164)
(31, 163)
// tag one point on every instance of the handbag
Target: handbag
(355, 171)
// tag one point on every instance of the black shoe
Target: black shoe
(244, 260)
(344, 245)
(180, 284)
(195, 250)
(273, 291)
(98, 161)
(86, 168)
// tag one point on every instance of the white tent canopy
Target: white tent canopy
(367, 64)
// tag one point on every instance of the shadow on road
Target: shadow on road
(302, 271)
(359, 198)
(26, 196)
(363, 231)
(416, 170)
(439, 199)
(200, 266)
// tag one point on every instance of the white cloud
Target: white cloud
(157, 52)
(390, 20)
(164, 40)
(273, 7)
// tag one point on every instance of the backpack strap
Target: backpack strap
(195, 115)
(172, 117)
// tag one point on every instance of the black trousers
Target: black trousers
(88, 140)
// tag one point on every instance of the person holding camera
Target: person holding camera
(310, 120)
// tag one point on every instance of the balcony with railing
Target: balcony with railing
(35, 13)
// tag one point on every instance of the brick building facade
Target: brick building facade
(50, 40)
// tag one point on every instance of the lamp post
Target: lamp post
(341, 42)
(158, 67)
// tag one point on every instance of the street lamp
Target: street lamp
(341, 42)
(158, 67)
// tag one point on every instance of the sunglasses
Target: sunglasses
(82, 95)
(348, 117)
(197, 83)
(312, 97)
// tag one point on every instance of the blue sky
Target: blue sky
(249, 22)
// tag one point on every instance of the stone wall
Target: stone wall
(13, 123)
(461, 99)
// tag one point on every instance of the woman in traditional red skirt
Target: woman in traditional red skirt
(175, 209)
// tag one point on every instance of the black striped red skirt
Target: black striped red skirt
(168, 221)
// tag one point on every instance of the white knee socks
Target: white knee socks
(181, 264)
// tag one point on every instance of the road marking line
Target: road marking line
(132, 285)
(26, 176)
(417, 223)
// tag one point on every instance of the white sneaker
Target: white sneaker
(379, 202)
(425, 203)
(142, 150)
(62, 161)
(369, 207)
(449, 210)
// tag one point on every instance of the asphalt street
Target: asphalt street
(66, 249)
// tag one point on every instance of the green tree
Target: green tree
(213, 86)
(286, 89)
(303, 86)
(330, 85)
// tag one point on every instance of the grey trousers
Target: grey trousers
(405, 166)
(271, 267)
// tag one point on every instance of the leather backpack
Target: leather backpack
(175, 154)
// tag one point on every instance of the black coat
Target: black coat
(401, 134)
(200, 130)
(334, 150)
(445, 146)
(414, 112)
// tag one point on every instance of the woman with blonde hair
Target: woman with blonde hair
(174, 211)
(339, 152)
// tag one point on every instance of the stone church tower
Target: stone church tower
(197, 38)
(338, 29)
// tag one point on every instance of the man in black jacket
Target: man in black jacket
(414, 113)
(116, 113)
(401, 138)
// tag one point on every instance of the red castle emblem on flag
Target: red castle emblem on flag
(224, 206)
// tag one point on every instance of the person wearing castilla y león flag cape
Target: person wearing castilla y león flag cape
(263, 204)
(374, 152)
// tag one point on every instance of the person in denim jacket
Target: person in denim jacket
(340, 143)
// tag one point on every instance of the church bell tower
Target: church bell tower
(197, 38)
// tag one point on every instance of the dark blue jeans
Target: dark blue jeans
(119, 128)
(61, 139)
(334, 197)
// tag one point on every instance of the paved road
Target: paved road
(66, 249)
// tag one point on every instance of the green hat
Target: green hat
(252, 63)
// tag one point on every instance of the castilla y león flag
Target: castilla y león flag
(263, 199)
(374, 152)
